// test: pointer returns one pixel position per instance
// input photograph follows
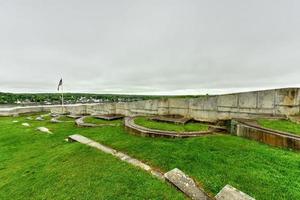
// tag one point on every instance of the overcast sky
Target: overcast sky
(149, 46)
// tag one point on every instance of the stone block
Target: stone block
(44, 130)
(80, 139)
(231, 193)
(25, 124)
(185, 184)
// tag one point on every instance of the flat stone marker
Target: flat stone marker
(54, 120)
(25, 124)
(230, 193)
(44, 130)
(53, 115)
(185, 184)
(80, 138)
(15, 121)
(39, 118)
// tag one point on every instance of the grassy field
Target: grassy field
(65, 118)
(34, 165)
(94, 120)
(261, 171)
(191, 126)
(38, 166)
(280, 125)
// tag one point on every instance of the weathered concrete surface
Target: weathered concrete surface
(240, 105)
(275, 138)
(25, 124)
(55, 120)
(186, 184)
(39, 118)
(108, 117)
(284, 101)
(44, 130)
(231, 193)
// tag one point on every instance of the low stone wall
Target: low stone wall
(27, 109)
(133, 128)
(264, 135)
(210, 108)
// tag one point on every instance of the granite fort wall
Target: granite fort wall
(284, 101)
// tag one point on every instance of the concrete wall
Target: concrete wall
(264, 135)
(239, 105)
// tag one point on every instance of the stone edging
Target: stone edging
(140, 130)
(186, 185)
(269, 130)
(266, 135)
(107, 117)
(176, 177)
(124, 157)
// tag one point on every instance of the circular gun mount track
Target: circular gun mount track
(131, 127)
(80, 123)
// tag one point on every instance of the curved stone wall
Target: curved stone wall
(276, 138)
(131, 127)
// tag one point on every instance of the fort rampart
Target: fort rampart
(276, 102)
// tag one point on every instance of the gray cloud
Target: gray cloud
(159, 46)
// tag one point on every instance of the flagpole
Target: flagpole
(62, 97)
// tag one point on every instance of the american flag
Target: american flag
(59, 84)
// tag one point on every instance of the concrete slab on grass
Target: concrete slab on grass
(230, 193)
(186, 184)
(44, 130)
(25, 124)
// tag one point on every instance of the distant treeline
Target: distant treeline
(42, 98)
(69, 98)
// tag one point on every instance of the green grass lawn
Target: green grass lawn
(94, 120)
(280, 125)
(261, 171)
(191, 126)
(65, 118)
(47, 117)
(38, 166)
(35, 165)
